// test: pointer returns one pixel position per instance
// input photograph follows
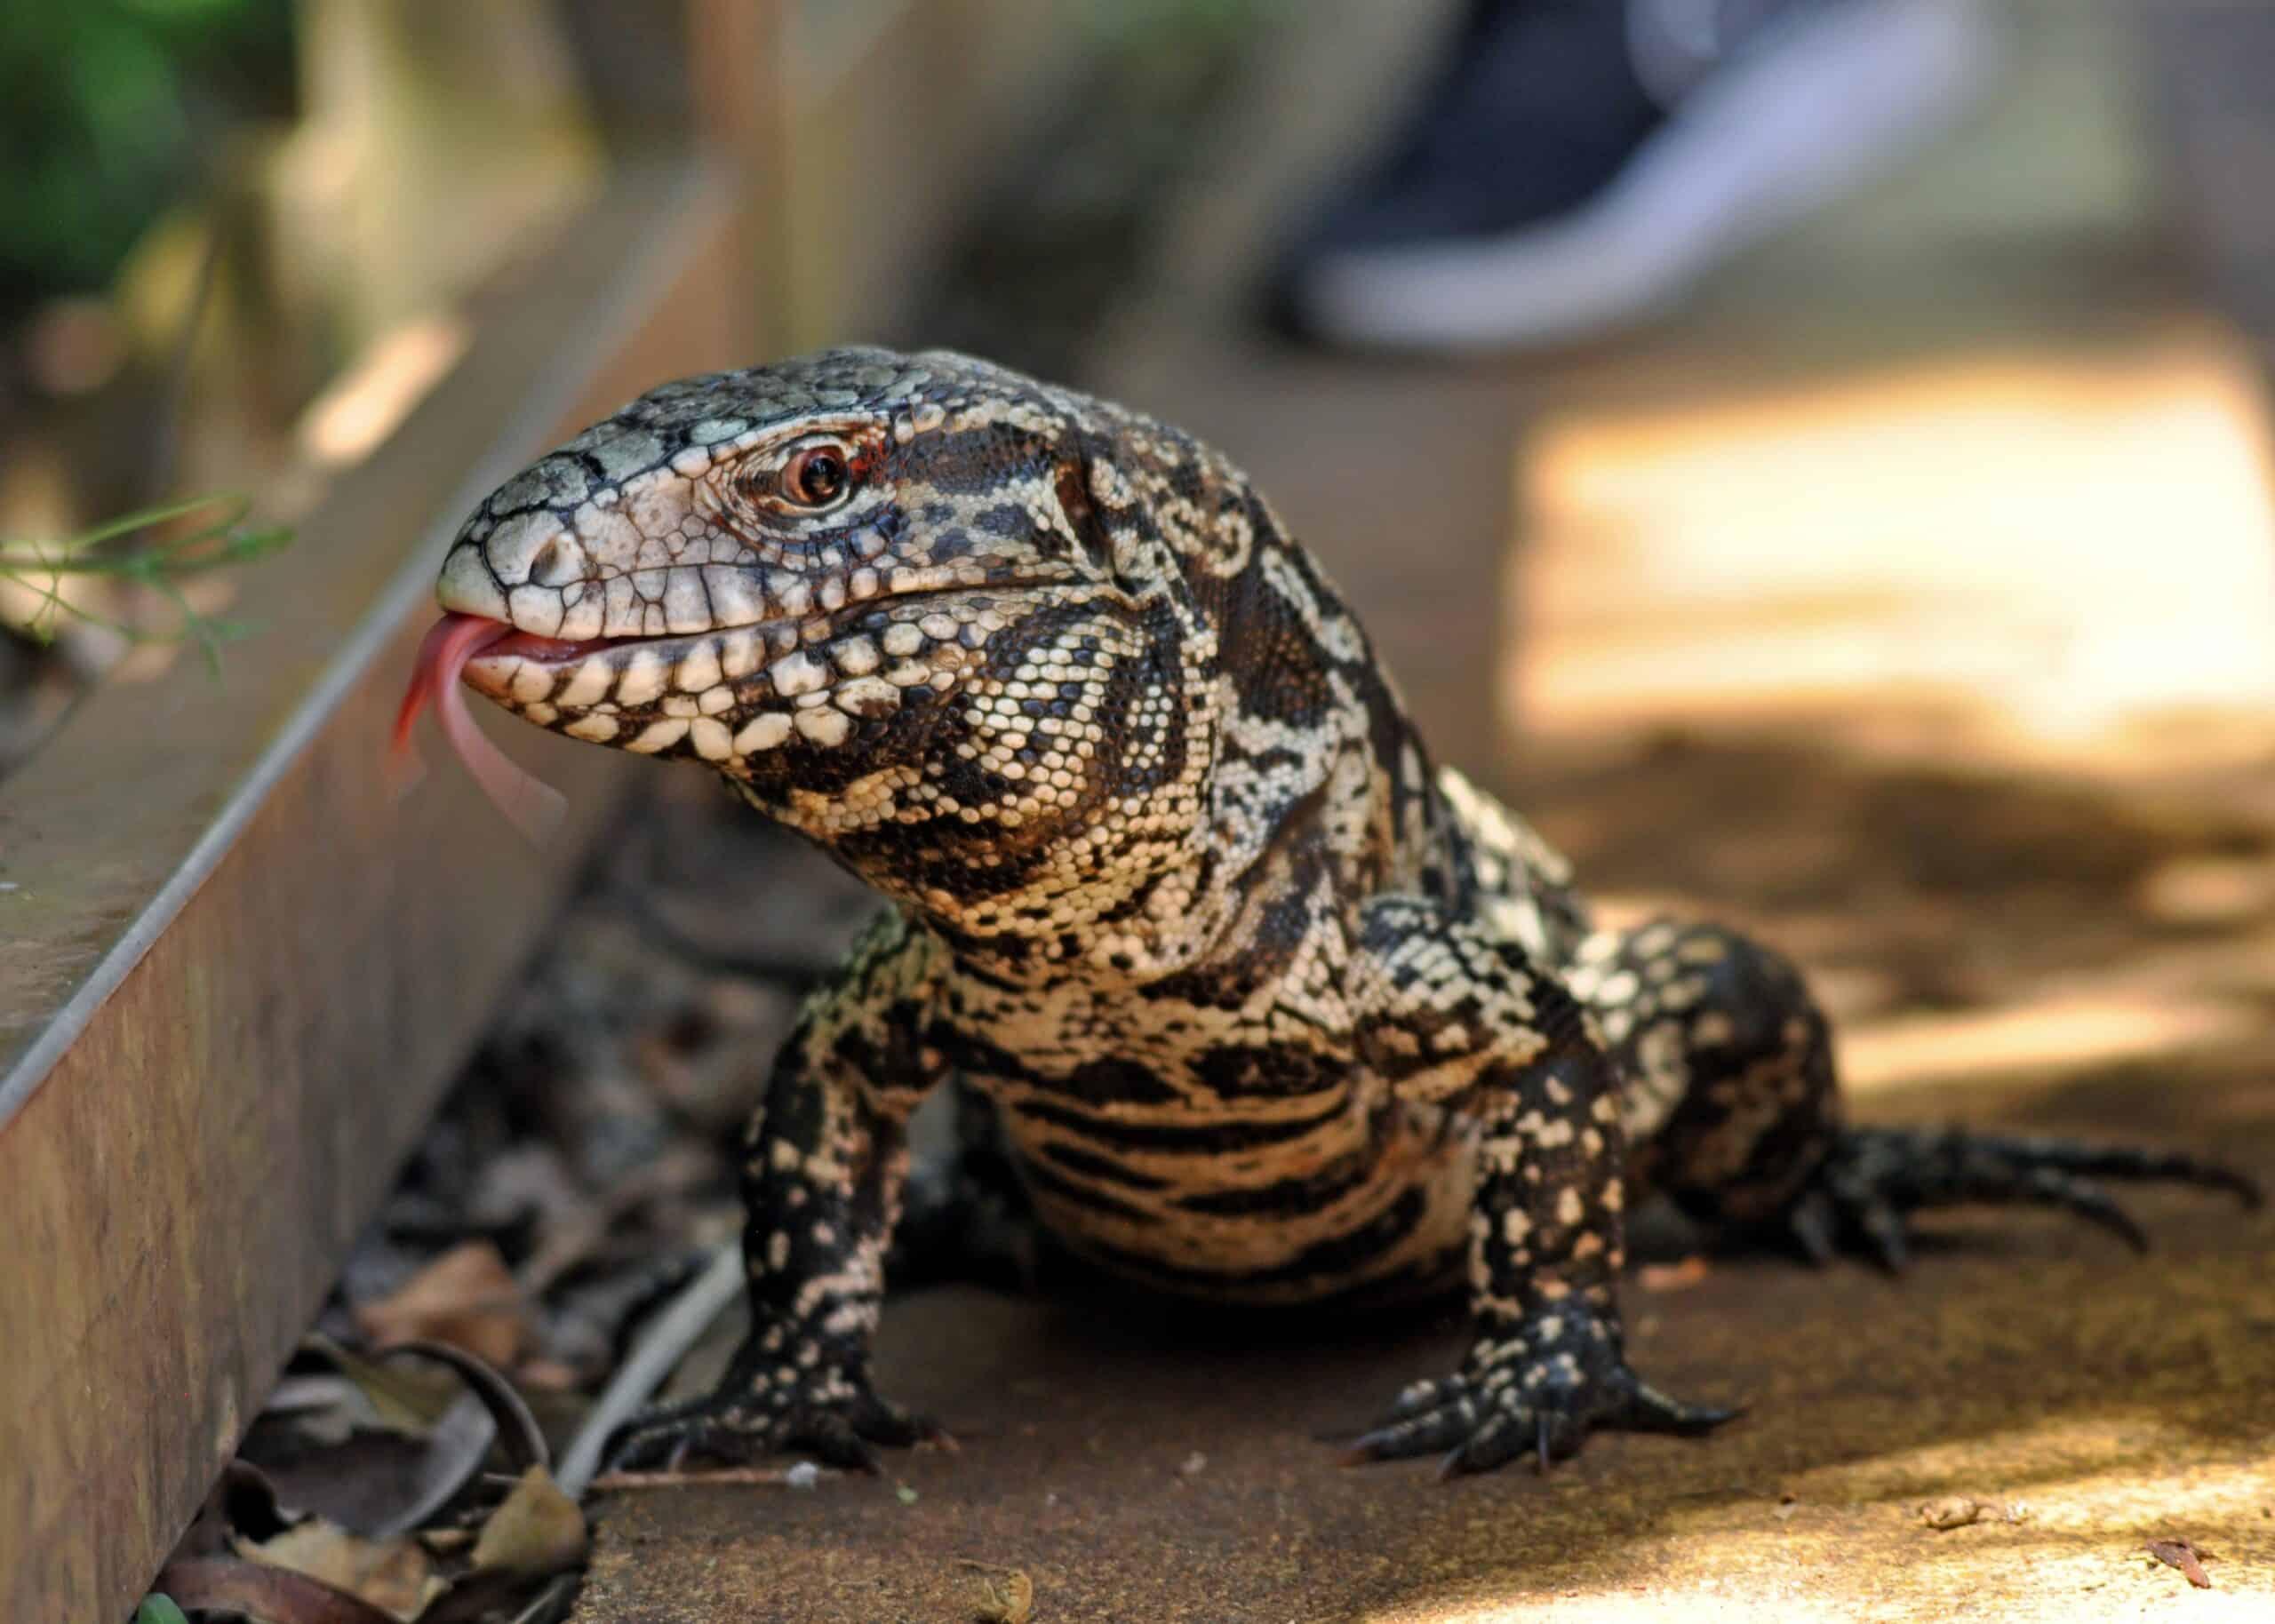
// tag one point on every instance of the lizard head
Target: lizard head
(873, 590)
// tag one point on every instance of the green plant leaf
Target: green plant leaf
(225, 539)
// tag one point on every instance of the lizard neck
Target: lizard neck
(1115, 888)
(1043, 837)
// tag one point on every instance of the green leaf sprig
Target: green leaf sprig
(223, 539)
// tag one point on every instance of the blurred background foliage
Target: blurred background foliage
(237, 241)
(108, 108)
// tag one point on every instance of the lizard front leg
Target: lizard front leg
(1452, 1017)
(825, 1159)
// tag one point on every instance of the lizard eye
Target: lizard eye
(816, 476)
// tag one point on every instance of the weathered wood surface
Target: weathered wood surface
(235, 970)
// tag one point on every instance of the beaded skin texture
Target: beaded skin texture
(1267, 1007)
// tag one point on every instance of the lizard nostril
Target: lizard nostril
(555, 564)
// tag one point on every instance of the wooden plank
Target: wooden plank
(234, 972)
(904, 106)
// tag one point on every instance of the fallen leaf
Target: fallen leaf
(2184, 1554)
(518, 1433)
(1959, 1511)
(466, 1297)
(1673, 1276)
(277, 1595)
(1007, 1594)
(241, 1502)
(535, 1532)
(395, 1576)
(552, 1375)
(379, 1483)
(326, 1406)
(409, 1400)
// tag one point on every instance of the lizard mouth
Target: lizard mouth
(555, 650)
(465, 649)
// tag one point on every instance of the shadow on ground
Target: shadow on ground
(1148, 1471)
(1142, 1463)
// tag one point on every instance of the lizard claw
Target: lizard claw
(833, 1417)
(1875, 1178)
(1539, 1387)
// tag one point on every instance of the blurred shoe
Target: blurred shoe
(1581, 163)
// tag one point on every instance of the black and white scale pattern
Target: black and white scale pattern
(1270, 1008)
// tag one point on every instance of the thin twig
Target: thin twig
(785, 1475)
(666, 1342)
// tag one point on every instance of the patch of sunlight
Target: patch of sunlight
(1846, 1543)
(2058, 557)
(2209, 892)
(2063, 1032)
(2071, 1471)
(368, 402)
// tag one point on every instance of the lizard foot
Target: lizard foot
(1875, 1178)
(1538, 1385)
(833, 1415)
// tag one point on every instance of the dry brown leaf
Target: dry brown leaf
(537, 1531)
(466, 1297)
(407, 1398)
(2184, 1554)
(548, 1375)
(221, 1584)
(1673, 1276)
(1007, 1594)
(395, 1576)
(242, 1501)
(517, 1431)
(381, 1482)
(1959, 1511)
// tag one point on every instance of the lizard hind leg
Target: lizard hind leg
(1875, 1176)
(1733, 1109)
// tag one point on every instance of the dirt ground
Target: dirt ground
(1904, 598)
(1140, 1464)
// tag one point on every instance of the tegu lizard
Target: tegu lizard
(1269, 1007)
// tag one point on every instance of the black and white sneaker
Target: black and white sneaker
(1580, 163)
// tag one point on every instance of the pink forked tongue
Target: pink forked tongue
(534, 807)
